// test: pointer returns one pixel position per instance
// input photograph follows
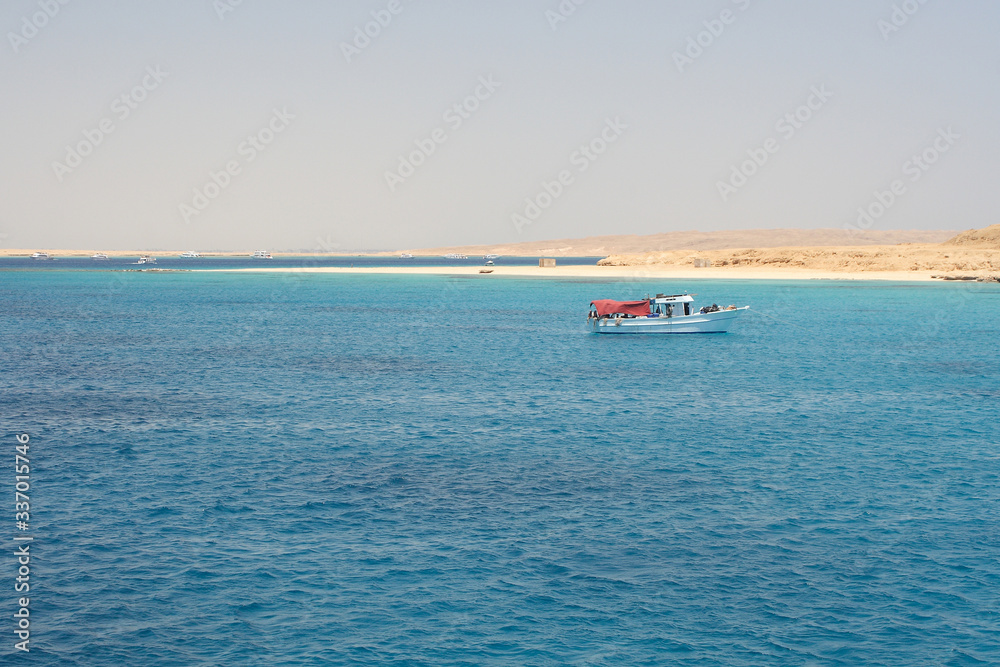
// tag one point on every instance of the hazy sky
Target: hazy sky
(283, 125)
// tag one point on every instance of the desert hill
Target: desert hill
(987, 237)
(692, 240)
(972, 253)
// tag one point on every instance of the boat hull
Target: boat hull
(717, 322)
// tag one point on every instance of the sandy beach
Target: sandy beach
(593, 246)
(970, 255)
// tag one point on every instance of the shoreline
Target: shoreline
(591, 246)
(620, 272)
(630, 273)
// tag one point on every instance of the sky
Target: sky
(389, 124)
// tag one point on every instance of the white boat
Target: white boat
(41, 255)
(664, 313)
(491, 256)
(190, 254)
(100, 256)
(489, 262)
(261, 254)
(456, 255)
(146, 259)
(406, 255)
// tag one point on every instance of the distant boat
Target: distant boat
(456, 255)
(406, 255)
(261, 254)
(189, 254)
(664, 313)
(491, 256)
(42, 255)
(489, 262)
(146, 259)
(99, 255)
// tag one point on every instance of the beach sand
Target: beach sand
(594, 246)
(969, 255)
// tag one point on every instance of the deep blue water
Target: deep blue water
(248, 469)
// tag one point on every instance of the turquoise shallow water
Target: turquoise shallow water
(395, 470)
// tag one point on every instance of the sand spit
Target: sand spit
(970, 255)
(638, 273)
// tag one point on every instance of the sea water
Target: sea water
(241, 469)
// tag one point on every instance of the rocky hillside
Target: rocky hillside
(987, 237)
(738, 238)
(976, 252)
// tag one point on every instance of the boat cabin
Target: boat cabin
(662, 305)
(673, 305)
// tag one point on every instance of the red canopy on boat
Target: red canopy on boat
(610, 307)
